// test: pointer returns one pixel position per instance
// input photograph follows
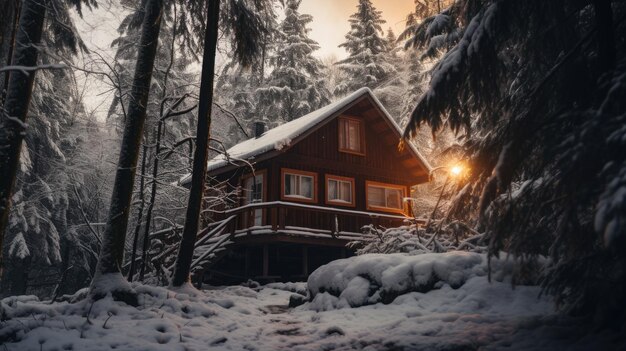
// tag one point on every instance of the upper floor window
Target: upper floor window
(340, 190)
(351, 135)
(299, 185)
(385, 197)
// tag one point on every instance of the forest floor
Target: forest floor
(477, 315)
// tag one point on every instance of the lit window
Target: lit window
(351, 135)
(385, 196)
(340, 190)
(299, 185)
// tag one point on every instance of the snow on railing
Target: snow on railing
(264, 205)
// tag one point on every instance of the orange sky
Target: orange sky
(331, 20)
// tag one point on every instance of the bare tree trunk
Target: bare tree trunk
(112, 251)
(11, 10)
(153, 190)
(19, 92)
(182, 266)
(131, 270)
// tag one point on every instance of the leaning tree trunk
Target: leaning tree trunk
(185, 252)
(112, 250)
(18, 95)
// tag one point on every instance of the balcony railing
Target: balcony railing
(295, 218)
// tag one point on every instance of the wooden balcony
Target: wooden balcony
(294, 222)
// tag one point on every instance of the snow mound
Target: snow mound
(298, 287)
(374, 278)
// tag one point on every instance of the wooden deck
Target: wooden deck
(283, 220)
(275, 246)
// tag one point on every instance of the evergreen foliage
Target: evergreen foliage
(367, 62)
(46, 232)
(295, 87)
(533, 86)
(237, 84)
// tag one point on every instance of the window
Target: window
(253, 189)
(385, 197)
(339, 190)
(254, 192)
(351, 136)
(299, 185)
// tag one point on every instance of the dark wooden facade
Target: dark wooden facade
(320, 223)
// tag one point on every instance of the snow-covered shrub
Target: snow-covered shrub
(374, 278)
(437, 236)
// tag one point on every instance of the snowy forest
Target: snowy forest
(114, 220)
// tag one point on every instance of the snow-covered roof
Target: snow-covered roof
(281, 137)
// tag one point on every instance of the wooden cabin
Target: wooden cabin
(305, 189)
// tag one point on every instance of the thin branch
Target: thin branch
(28, 70)
(84, 215)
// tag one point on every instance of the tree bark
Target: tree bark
(112, 251)
(18, 95)
(182, 266)
(153, 190)
(131, 270)
(8, 30)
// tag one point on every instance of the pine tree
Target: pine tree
(59, 34)
(170, 81)
(236, 84)
(539, 100)
(295, 87)
(108, 278)
(248, 44)
(367, 64)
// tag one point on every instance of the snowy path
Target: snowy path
(478, 315)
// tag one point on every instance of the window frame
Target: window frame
(283, 196)
(251, 175)
(242, 182)
(341, 131)
(329, 177)
(402, 188)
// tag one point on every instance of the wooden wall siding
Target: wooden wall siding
(320, 149)
(319, 152)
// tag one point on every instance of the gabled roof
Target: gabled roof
(285, 135)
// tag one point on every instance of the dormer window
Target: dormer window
(351, 135)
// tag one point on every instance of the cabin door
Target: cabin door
(254, 194)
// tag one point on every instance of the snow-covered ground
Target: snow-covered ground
(476, 314)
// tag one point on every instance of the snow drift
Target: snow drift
(374, 278)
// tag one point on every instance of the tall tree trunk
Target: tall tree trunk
(112, 251)
(8, 29)
(185, 252)
(19, 92)
(153, 190)
(131, 270)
